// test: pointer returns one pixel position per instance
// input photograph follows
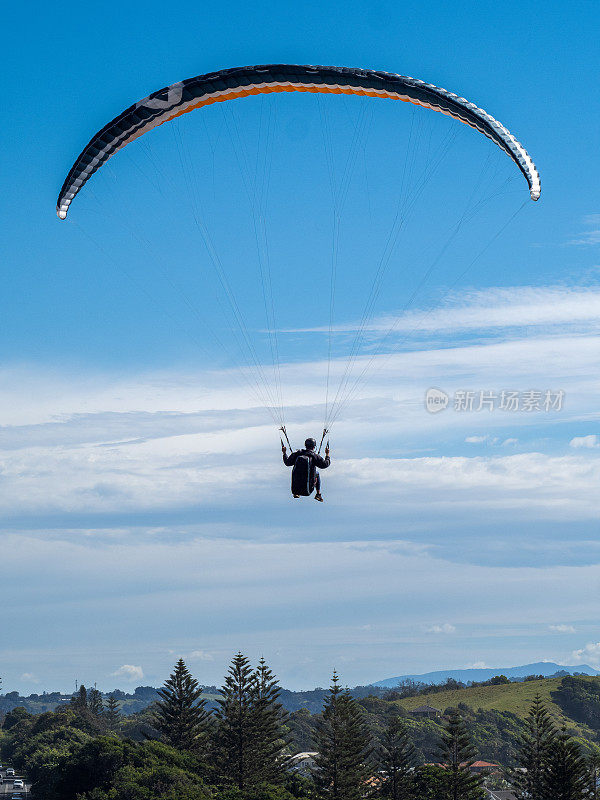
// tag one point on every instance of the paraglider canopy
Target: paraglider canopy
(216, 87)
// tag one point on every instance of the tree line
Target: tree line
(246, 741)
(240, 750)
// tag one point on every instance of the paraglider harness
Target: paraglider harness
(303, 470)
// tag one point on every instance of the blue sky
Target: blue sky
(145, 512)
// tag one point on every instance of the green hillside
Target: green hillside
(513, 697)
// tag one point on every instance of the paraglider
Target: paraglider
(304, 463)
(184, 96)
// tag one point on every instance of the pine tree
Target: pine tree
(79, 699)
(112, 716)
(397, 757)
(236, 753)
(458, 754)
(593, 775)
(182, 718)
(269, 718)
(532, 754)
(94, 702)
(342, 741)
(566, 776)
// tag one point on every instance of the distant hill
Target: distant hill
(129, 703)
(545, 668)
(515, 698)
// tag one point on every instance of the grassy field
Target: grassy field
(514, 697)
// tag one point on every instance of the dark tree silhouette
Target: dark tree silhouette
(342, 741)
(80, 699)
(181, 717)
(94, 702)
(235, 751)
(269, 718)
(533, 752)
(397, 758)
(593, 775)
(457, 753)
(112, 716)
(566, 776)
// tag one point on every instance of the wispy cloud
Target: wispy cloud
(324, 592)
(445, 628)
(561, 628)
(591, 231)
(144, 491)
(510, 308)
(177, 440)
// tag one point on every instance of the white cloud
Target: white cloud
(149, 447)
(88, 457)
(510, 441)
(550, 486)
(324, 594)
(589, 654)
(586, 442)
(445, 628)
(129, 672)
(476, 439)
(477, 665)
(200, 655)
(29, 677)
(561, 628)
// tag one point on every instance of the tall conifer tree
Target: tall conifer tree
(342, 741)
(533, 752)
(458, 754)
(397, 757)
(236, 751)
(112, 716)
(182, 717)
(566, 776)
(94, 702)
(80, 699)
(593, 775)
(269, 718)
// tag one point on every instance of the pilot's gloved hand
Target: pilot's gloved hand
(327, 452)
(283, 448)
